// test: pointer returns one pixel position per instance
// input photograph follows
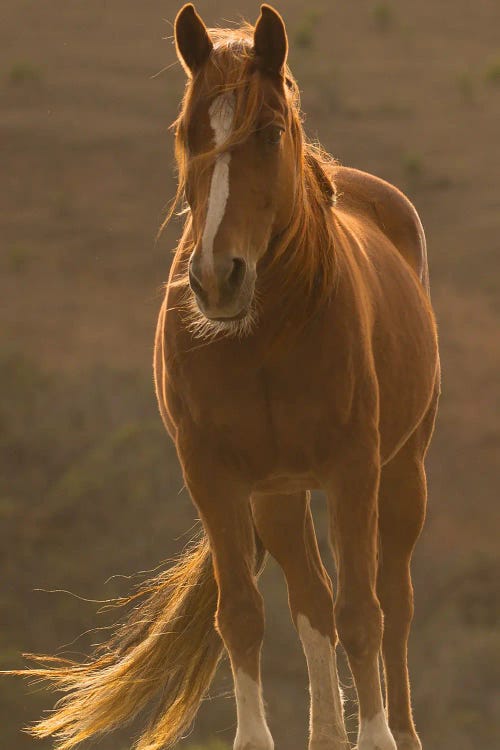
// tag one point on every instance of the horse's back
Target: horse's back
(386, 206)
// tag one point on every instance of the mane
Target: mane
(305, 248)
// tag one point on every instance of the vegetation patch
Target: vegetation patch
(213, 744)
(17, 258)
(413, 165)
(492, 72)
(383, 16)
(304, 34)
(466, 86)
(24, 74)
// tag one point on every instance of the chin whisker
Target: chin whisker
(205, 329)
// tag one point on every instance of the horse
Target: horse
(296, 350)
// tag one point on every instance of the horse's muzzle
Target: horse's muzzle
(223, 286)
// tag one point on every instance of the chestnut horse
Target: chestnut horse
(296, 349)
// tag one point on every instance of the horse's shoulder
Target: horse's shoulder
(384, 204)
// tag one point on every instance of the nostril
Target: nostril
(237, 274)
(195, 284)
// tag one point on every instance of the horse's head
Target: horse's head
(236, 144)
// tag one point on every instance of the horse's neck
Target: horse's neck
(299, 274)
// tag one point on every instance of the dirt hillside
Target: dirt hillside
(89, 485)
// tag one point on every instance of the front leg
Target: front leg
(223, 501)
(286, 528)
(353, 502)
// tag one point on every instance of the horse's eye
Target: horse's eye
(273, 134)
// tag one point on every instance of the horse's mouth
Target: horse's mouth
(237, 325)
(229, 318)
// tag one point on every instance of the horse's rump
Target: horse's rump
(386, 206)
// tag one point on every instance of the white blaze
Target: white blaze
(252, 731)
(221, 114)
(374, 734)
(326, 716)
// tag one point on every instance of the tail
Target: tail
(165, 653)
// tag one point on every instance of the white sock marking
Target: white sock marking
(221, 119)
(326, 715)
(374, 734)
(253, 731)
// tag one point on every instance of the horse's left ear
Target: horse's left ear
(270, 41)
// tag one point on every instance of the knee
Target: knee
(315, 603)
(359, 627)
(240, 620)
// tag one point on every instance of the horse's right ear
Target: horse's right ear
(192, 41)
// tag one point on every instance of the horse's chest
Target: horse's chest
(276, 422)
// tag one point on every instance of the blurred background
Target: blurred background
(89, 482)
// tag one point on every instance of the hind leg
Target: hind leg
(285, 526)
(402, 501)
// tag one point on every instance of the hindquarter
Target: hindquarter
(407, 364)
(402, 340)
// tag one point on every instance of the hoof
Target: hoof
(339, 744)
(406, 741)
(261, 741)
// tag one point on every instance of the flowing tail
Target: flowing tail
(165, 652)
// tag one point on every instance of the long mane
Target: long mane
(305, 248)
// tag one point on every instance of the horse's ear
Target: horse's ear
(270, 41)
(192, 41)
